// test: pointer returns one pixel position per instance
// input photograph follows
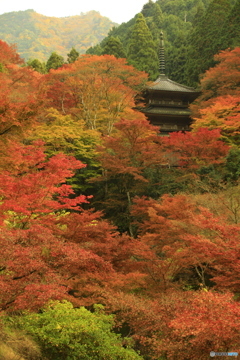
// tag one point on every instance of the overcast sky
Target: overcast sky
(118, 11)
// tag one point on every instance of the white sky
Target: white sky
(118, 11)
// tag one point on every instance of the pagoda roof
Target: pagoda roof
(163, 83)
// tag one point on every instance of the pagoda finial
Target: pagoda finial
(161, 56)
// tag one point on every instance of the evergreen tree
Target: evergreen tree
(205, 40)
(148, 9)
(72, 56)
(200, 11)
(142, 51)
(158, 16)
(175, 46)
(176, 60)
(114, 46)
(55, 61)
(37, 65)
(94, 50)
(231, 30)
(155, 23)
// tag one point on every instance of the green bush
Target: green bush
(68, 333)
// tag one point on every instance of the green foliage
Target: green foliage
(141, 49)
(167, 180)
(114, 46)
(175, 7)
(231, 29)
(233, 164)
(186, 10)
(95, 50)
(73, 55)
(157, 16)
(37, 65)
(205, 40)
(55, 61)
(176, 46)
(148, 9)
(68, 333)
(122, 32)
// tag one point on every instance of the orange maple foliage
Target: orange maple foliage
(33, 196)
(98, 89)
(204, 322)
(218, 105)
(8, 55)
(222, 79)
(19, 100)
(177, 243)
(195, 149)
(133, 148)
(184, 325)
(50, 252)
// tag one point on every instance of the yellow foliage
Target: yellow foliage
(61, 133)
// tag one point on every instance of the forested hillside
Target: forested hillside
(194, 32)
(37, 36)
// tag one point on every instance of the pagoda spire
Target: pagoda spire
(161, 56)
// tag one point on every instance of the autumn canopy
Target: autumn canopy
(96, 207)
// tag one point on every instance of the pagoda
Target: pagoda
(167, 102)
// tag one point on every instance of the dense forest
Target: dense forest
(194, 31)
(37, 36)
(118, 243)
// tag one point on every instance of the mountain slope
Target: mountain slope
(37, 36)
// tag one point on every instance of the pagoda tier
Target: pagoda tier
(167, 102)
